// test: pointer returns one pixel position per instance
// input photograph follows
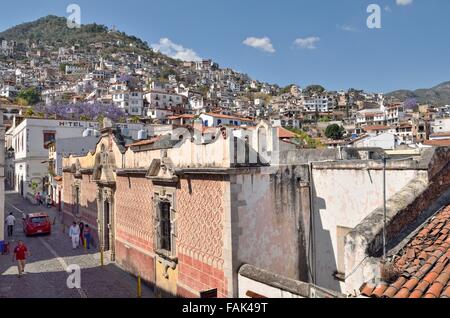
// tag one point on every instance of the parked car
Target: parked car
(37, 223)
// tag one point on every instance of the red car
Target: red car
(37, 223)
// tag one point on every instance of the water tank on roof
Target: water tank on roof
(142, 134)
(88, 132)
(125, 131)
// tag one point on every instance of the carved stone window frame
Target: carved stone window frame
(165, 193)
(76, 193)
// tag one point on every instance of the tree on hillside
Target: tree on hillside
(28, 96)
(410, 103)
(314, 89)
(286, 89)
(335, 132)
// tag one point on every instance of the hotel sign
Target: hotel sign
(77, 124)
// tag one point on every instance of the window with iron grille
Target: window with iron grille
(164, 208)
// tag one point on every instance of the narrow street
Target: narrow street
(46, 275)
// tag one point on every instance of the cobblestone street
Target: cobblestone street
(46, 274)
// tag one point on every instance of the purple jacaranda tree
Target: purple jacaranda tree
(410, 103)
(81, 111)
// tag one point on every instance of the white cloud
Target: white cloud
(264, 44)
(347, 28)
(307, 43)
(387, 9)
(176, 51)
(403, 2)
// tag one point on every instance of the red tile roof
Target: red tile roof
(440, 134)
(144, 142)
(284, 133)
(423, 264)
(229, 117)
(375, 128)
(437, 143)
(184, 116)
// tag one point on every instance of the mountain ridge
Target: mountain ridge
(437, 95)
(52, 30)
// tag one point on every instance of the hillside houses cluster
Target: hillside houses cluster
(206, 184)
(152, 88)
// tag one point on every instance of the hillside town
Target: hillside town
(203, 182)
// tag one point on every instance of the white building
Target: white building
(78, 146)
(386, 141)
(319, 103)
(7, 48)
(163, 100)
(31, 138)
(214, 120)
(440, 125)
(131, 102)
(159, 114)
(8, 91)
(370, 117)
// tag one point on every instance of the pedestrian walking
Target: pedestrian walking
(20, 255)
(81, 233)
(87, 236)
(38, 198)
(10, 222)
(49, 201)
(74, 233)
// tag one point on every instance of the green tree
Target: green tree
(335, 132)
(29, 96)
(29, 112)
(314, 89)
(135, 120)
(286, 89)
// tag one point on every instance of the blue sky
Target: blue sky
(334, 46)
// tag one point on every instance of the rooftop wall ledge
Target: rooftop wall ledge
(365, 242)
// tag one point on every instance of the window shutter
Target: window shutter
(157, 224)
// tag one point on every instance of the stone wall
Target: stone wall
(134, 226)
(269, 219)
(200, 243)
(88, 201)
(419, 199)
(256, 283)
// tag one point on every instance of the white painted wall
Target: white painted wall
(246, 284)
(385, 141)
(344, 198)
(30, 156)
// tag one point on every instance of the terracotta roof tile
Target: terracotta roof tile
(284, 133)
(435, 290)
(367, 290)
(403, 293)
(424, 263)
(443, 279)
(416, 294)
(446, 293)
(379, 290)
(430, 277)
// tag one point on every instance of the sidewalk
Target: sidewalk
(50, 257)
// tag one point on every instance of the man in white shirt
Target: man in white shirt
(10, 221)
(74, 233)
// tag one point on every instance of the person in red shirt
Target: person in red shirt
(20, 254)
